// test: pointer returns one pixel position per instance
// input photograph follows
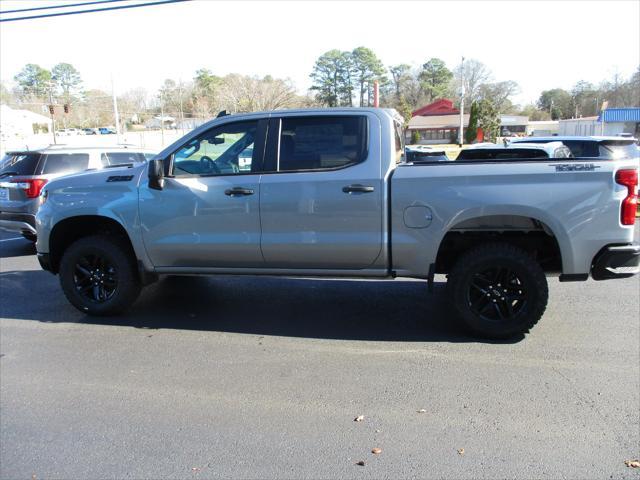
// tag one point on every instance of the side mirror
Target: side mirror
(156, 174)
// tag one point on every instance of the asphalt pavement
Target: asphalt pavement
(235, 377)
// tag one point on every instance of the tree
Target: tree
(435, 79)
(557, 102)
(499, 93)
(471, 133)
(5, 95)
(67, 81)
(240, 93)
(405, 110)
(366, 68)
(488, 119)
(475, 74)
(33, 80)
(534, 113)
(399, 75)
(332, 78)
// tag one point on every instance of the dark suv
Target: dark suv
(24, 173)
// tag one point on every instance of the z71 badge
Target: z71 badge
(574, 167)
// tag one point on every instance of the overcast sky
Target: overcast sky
(539, 44)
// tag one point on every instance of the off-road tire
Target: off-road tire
(115, 253)
(526, 277)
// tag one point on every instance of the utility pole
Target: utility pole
(51, 110)
(162, 117)
(461, 132)
(115, 110)
(181, 111)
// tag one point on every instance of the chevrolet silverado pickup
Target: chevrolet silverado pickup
(326, 192)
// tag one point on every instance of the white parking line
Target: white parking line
(10, 239)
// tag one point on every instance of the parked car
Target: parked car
(107, 131)
(326, 195)
(91, 131)
(514, 151)
(422, 153)
(24, 173)
(588, 147)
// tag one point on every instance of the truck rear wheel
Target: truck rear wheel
(98, 276)
(498, 290)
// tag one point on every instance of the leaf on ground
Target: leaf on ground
(376, 451)
(632, 463)
(422, 410)
(359, 418)
(360, 462)
(461, 451)
(195, 469)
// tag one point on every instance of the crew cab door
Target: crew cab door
(207, 214)
(321, 193)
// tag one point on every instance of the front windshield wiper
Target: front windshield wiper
(117, 165)
(6, 174)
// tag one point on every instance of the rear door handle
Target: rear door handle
(237, 191)
(357, 188)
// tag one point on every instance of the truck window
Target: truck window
(399, 143)
(312, 143)
(224, 150)
(119, 158)
(65, 162)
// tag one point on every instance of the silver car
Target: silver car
(24, 173)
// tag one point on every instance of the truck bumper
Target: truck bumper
(18, 222)
(616, 261)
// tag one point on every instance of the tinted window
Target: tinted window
(119, 158)
(399, 143)
(501, 154)
(224, 150)
(618, 149)
(65, 163)
(309, 143)
(19, 164)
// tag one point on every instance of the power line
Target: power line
(119, 7)
(61, 6)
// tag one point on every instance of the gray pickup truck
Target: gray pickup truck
(326, 192)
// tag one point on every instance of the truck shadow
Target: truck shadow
(394, 310)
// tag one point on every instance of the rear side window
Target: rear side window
(19, 164)
(313, 143)
(399, 143)
(119, 158)
(65, 163)
(614, 149)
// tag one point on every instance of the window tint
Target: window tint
(66, 163)
(399, 143)
(119, 158)
(224, 150)
(309, 143)
(19, 164)
(501, 154)
(618, 149)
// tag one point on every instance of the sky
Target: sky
(539, 44)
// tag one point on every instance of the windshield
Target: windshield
(19, 164)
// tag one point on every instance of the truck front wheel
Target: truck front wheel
(498, 290)
(98, 275)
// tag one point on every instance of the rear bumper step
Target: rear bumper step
(616, 261)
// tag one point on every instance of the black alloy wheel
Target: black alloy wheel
(497, 294)
(95, 278)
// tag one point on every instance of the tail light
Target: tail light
(31, 186)
(628, 178)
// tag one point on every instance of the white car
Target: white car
(514, 151)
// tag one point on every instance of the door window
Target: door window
(313, 143)
(224, 150)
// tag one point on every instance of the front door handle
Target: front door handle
(357, 188)
(237, 191)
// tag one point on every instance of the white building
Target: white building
(21, 123)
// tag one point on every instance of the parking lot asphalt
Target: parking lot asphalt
(235, 377)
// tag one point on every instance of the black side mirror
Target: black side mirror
(156, 174)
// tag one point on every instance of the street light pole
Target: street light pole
(461, 136)
(115, 110)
